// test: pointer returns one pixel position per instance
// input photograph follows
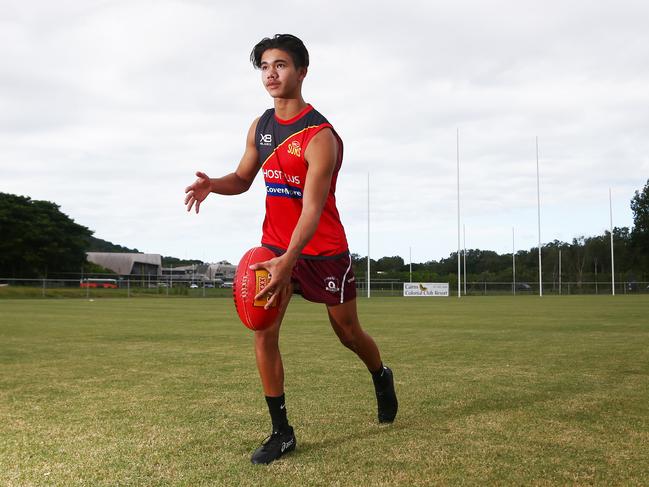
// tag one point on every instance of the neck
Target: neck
(286, 108)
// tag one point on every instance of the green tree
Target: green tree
(359, 264)
(578, 258)
(168, 261)
(99, 245)
(37, 238)
(390, 264)
(640, 208)
(640, 233)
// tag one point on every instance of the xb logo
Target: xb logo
(266, 139)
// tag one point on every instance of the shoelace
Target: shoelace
(269, 439)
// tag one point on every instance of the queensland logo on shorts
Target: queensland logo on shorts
(266, 139)
(332, 284)
(294, 148)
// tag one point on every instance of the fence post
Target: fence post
(43, 289)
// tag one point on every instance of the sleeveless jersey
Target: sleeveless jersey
(281, 145)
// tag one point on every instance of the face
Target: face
(280, 76)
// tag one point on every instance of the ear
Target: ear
(301, 72)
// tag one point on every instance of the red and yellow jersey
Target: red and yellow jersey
(281, 145)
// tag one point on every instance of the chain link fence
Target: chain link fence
(113, 287)
(485, 288)
(148, 286)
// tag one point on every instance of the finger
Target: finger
(198, 205)
(271, 301)
(259, 265)
(268, 291)
(188, 197)
(201, 175)
(262, 295)
(190, 204)
(274, 298)
(280, 296)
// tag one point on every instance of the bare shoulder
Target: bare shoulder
(253, 125)
(326, 135)
(324, 141)
(251, 131)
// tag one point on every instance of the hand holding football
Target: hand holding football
(247, 284)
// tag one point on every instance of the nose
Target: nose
(271, 73)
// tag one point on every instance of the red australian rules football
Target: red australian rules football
(247, 284)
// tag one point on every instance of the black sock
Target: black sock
(277, 410)
(379, 377)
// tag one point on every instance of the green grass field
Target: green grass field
(496, 390)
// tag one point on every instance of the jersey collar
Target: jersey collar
(304, 111)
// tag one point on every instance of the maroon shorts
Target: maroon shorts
(324, 280)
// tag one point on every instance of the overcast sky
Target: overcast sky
(109, 107)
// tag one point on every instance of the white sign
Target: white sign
(425, 289)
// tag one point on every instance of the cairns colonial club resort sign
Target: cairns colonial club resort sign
(436, 289)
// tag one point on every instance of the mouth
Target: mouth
(272, 85)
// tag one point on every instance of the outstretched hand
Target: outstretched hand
(280, 270)
(197, 191)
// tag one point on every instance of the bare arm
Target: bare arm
(321, 156)
(236, 182)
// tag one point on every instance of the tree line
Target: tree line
(584, 259)
(38, 240)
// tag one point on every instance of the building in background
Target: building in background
(150, 266)
(216, 273)
(125, 263)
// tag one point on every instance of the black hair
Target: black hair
(286, 42)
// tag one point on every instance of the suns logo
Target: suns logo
(294, 148)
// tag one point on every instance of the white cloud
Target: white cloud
(108, 108)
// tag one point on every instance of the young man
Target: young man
(300, 155)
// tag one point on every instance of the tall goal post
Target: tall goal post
(538, 208)
(610, 212)
(368, 235)
(459, 275)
